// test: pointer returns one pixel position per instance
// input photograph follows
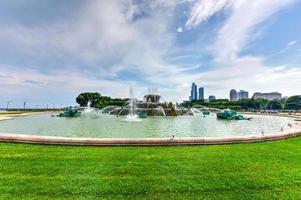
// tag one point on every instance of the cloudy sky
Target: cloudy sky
(51, 50)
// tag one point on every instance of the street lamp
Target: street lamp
(8, 104)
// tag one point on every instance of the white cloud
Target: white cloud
(239, 29)
(104, 38)
(288, 46)
(35, 87)
(292, 43)
(179, 30)
(202, 10)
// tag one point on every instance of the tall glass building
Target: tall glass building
(201, 93)
(233, 95)
(194, 92)
(242, 94)
(211, 98)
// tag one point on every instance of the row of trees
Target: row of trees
(292, 103)
(98, 101)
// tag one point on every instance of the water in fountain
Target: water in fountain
(131, 116)
(162, 110)
(195, 111)
(114, 110)
(88, 109)
(149, 106)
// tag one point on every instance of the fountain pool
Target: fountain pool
(111, 126)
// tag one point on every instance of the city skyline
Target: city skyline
(56, 50)
(196, 93)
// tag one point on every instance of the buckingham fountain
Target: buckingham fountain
(149, 106)
(195, 125)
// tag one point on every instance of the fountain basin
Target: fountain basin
(109, 130)
(111, 126)
(53, 140)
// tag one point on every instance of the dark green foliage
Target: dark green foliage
(107, 101)
(84, 98)
(98, 101)
(245, 104)
(294, 103)
(274, 105)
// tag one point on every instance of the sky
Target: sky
(52, 50)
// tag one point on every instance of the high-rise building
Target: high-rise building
(268, 96)
(201, 93)
(242, 94)
(194, 92)
(233, 95)
(211, 98)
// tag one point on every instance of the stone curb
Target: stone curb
(294, 131)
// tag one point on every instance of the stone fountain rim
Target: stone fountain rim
(294, 131)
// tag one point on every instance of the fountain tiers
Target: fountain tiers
(150, 106)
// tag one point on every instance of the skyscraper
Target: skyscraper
(194, 92)
(233, 95)
(201, 93)
(242, 94)
(211, 98)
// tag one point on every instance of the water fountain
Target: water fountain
(160, 108)
(131, 116)
(88, 109)
(149, 106)
(195, 111)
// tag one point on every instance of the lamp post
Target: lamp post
(8, 104)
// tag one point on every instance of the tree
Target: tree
(261, 103)
(98, 101)
(84, 98)
(294, 103)
(249, 104)
(274, 105)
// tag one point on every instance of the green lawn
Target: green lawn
(249, 171)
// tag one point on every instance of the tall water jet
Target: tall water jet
(131, 116)
(195, 111)
(162, 110)
(131, 101)
(88, 109)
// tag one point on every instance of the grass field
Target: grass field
(270, 170)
